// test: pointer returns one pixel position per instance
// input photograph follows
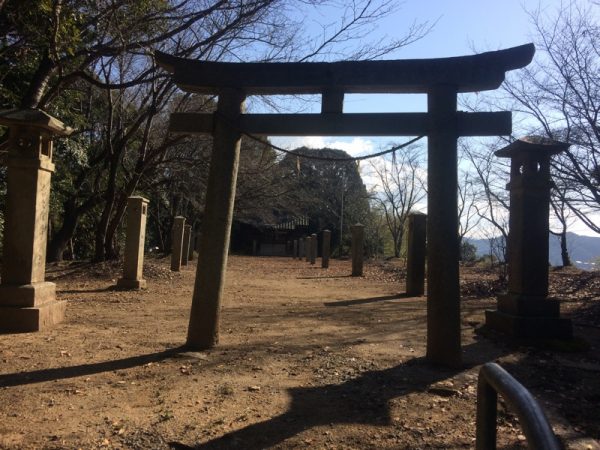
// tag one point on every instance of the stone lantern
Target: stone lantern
(525, 311)
(27, 301)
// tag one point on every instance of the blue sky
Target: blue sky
(460, 27)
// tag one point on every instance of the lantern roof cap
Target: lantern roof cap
(34, 118)
(532, 145)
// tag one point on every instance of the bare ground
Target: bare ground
(308, 358)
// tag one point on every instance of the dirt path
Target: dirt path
(308, 359)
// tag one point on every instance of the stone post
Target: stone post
(177, 243)
(307, 247)
(197, 242)
(203, 330)
(192, 246)
(415, 254)
(443, 286)
(358, 249)
(525, 311)
(137, 212)
(254, 247)
(186, 244)
(301, 248)
(313, 248)
(295, 249)
(325, 249)
(27, 302)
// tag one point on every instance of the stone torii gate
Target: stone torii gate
(441, 79)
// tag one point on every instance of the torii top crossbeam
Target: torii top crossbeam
(471, 73)
(333, 80)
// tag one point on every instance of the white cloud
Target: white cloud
(355, 146)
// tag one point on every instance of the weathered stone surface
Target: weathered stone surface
(313, 248)
(192, 246)
(133, 285)
(358, 249)
(525, 311)
(25, 320)
(27, 301)
(466, 73)
(27, 295)
(177, 243)
(415, 254)
(443, 289)
(307, 247)
(529, 327)
(326, 249)
(137, 213)
(203, 330)
(186, 244)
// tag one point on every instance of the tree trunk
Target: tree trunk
(396, 247)
(38, 84)
(99, 252)
(109, 197)
(110, 249)
(60, 239)
(564, 252)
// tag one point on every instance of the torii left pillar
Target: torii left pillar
(27, 301)
(203, 330)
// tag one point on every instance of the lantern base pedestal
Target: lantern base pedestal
(522, 316)
(15, 319)
(126, 284)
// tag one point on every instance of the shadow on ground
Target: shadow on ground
(362, 400)
(362, 301)
(59, 373)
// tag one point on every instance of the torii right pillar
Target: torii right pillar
(525, 311)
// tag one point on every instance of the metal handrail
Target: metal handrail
(494, 380)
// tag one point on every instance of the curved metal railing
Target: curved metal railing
(494, 380)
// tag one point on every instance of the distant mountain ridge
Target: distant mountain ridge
(583, 250)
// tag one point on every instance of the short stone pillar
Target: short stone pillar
(325, 249)
(197, 242)
(525, 311)
(295, 249)
(301, 248)
(254, 247)
(415, 254)
(187, 237)
(27, 301)
(192, 246)
(307, 247)
(313, 248)
(137, 212)
(358, 246)
(177, 243)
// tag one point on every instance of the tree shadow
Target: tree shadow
(112, 288)
(330, 276)
(363, 400)
(59, 373)
(362, 301)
